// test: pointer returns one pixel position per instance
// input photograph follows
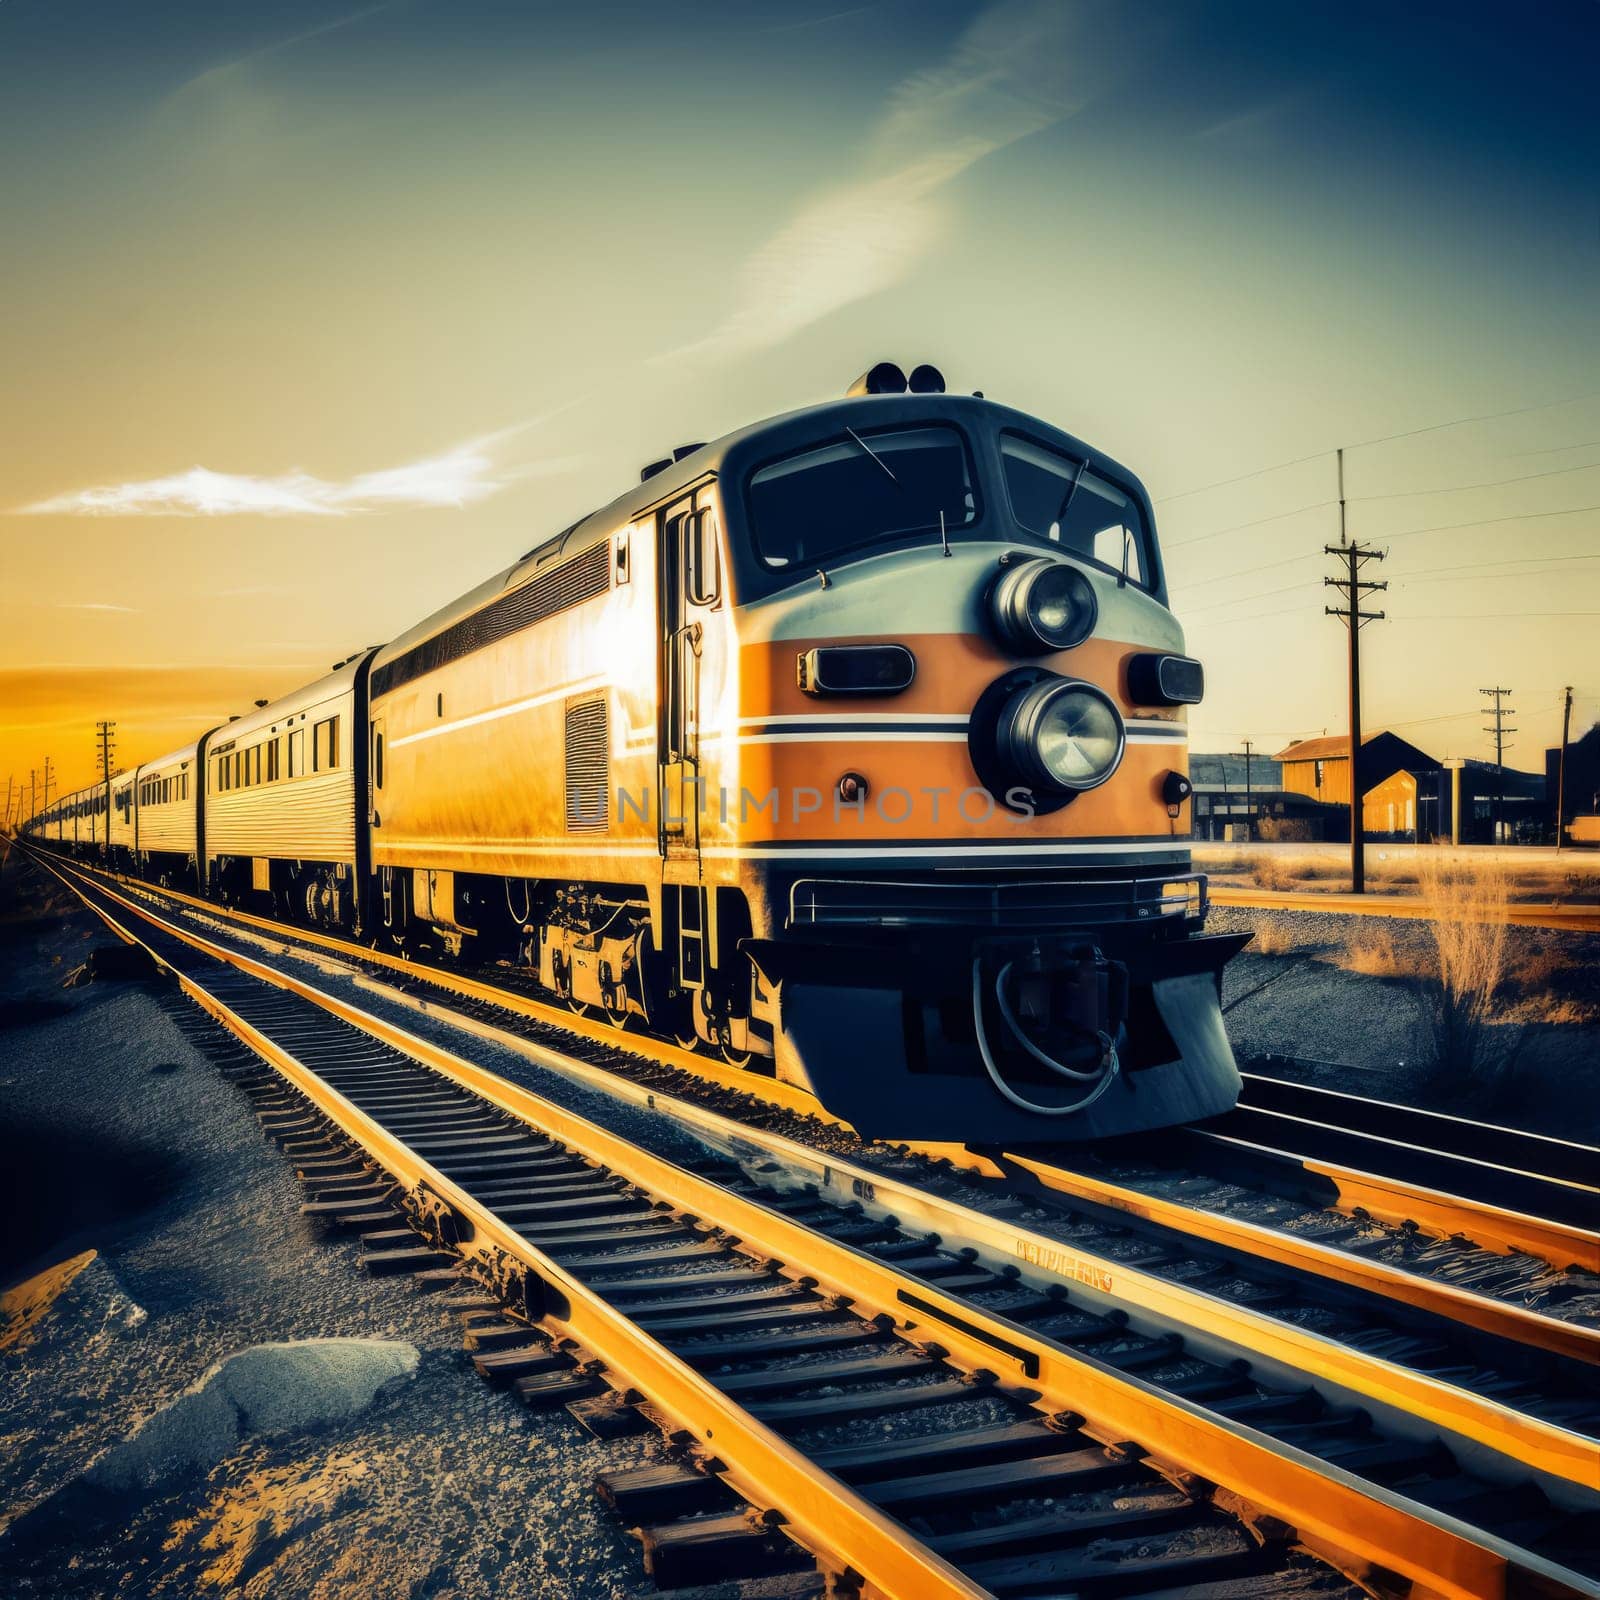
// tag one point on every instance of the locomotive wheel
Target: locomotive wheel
(618, 1019)
(734, 1058)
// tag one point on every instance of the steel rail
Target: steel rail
(1382, 1198)
(1465, 1139)
(1392, 1200)
(1543, 914)
(1332, 1509)
(647, 1048)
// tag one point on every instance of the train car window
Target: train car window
(377, 758)
(183, 787)
(297, 753)
(702, 560)
(1066, 504)
(325, 745)
(863, 489)
(255, 764)
(273, 759)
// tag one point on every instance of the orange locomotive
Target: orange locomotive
(850, 747)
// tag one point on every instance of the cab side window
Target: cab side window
(702, 561)
(325, 745)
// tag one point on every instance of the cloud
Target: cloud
(92, 605)
(459, 477)
(333, 25)
(1021, 66)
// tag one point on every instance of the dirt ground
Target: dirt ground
(1342, 994)
(153, 1234)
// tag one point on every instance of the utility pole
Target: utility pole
(33, 781)
(1249, 809)
(1499, 730)
(1351, 586)
(49, 778)
(104, 732)
(1561, 765)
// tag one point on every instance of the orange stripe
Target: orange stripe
(953, 669)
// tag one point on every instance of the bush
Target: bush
(1474, 1048)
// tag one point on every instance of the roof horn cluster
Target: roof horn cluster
(887, 378)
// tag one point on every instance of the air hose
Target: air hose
(1101, 1077)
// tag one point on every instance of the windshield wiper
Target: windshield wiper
(873, 453)
(1066, 504)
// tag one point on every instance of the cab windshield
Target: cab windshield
(862, 489)
(1065, 503)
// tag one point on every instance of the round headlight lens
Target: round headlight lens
(1062, 735)
(1043, 605)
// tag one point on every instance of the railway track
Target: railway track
(1055, 1353)
(1544, 914)
(1437, 1242)
(1416, 1283)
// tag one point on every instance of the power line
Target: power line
(1239, 527)
(1554, 449)
(1416, 574)
(1504, 561)
(1488, 522)
(1404, 533)
(1495, 616)
(1260, 566)
(1389, 438)
(1491, 483)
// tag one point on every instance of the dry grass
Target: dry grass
(1391, 874)
(1274, 941)
(1474, 1047)
(1373, 953)
(1288, 873)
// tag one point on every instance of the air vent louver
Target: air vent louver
(582, 578)
(588, 767)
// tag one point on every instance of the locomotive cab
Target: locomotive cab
(957, 744)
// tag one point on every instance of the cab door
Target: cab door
(690, 579)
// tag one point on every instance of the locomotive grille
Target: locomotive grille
(588, 792)
(582, 578)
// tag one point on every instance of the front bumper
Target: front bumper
(881, 1032)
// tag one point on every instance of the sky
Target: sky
(314, 314)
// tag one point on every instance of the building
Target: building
(1582, 792)
(1481, 794)
(1320, 768)
(1233, 801)
(1406, 794)
(1398, 783)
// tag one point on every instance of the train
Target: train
(849, 749)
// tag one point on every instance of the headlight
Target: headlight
(1060, 735)
(1043, 605)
